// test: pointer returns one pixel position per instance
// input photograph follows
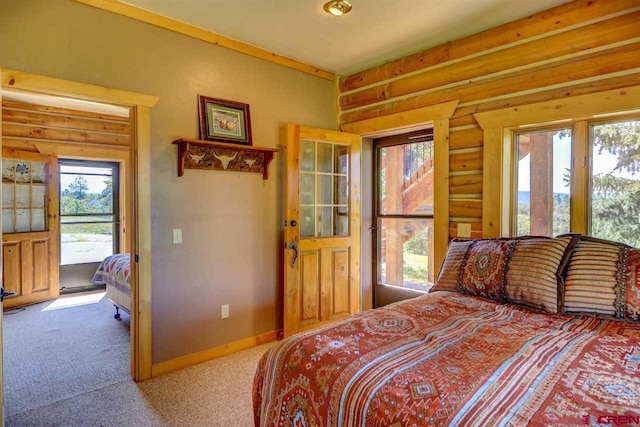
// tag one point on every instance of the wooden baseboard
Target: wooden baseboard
(213, 353)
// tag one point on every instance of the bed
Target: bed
(115, 272)
(486, 348)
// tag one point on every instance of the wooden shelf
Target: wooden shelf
(210, 155)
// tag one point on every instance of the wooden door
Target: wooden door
(30, 248)
(322, 233)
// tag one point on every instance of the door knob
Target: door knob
(293, 223)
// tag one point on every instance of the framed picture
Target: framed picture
(224, 120)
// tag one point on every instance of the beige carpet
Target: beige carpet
(215, 393)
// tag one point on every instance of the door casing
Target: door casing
(140, 211)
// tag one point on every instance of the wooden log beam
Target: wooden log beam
(467, 208)
(466, 162)
(465, 184)
(67, 122)
(555, 19)
(64, 135)
(469, 138)
(613, 32)
(23, 106)
(594, 67)
(463, 116)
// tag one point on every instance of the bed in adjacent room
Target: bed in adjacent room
(501, 341)
(115, 272)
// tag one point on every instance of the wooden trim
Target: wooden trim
(141, 230)
(492, 183)
(579, 200)
(440, 197)
(370, 127)
(50, 111)
(581, 106)
(75, 151)
(66, 88)
(205, 35)
(213, 353)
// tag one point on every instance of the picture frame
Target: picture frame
(224, 120)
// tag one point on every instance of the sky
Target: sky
(95, 183)
(603, 163)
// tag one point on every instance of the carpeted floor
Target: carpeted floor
(75, 371)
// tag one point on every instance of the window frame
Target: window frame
(497, 128)
(115, 183)
(378, 145)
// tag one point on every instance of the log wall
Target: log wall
(26, 125)
(578, 48)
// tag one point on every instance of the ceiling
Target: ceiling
(374, 32)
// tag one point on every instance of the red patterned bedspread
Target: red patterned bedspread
(451, 359)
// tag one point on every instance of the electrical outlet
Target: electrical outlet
(177, 236)
(464, 230)
(224, 311)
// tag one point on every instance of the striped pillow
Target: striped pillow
(535, 270)
(594, 280)
(448, 277)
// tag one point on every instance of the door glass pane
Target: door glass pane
(8, 217)
(38, 220)
(325, 220)
(307, 188)
(404, 248)
(307, 155)
(24, 196)
(325, 157)
(543, 173)
(406, 179)
(307, 221)
(615, 182)
(23, 220)
(324, 189)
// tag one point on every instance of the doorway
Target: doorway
(89, 220)
(139, 238)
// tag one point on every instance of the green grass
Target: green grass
(416, 268)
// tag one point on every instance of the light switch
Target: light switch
(177, 236)
(464, 230)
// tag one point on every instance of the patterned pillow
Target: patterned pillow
(535, 269)
(632, 285)
(484, 268)
(448, 277)
(594, 280)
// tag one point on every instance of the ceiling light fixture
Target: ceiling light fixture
(337, 7)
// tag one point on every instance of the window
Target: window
(89, 224)
(404, 210)
(615, 181)
(599, 169)
(543, 164)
